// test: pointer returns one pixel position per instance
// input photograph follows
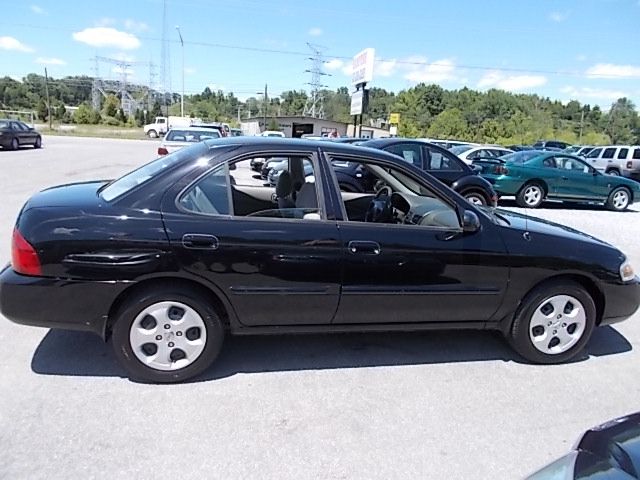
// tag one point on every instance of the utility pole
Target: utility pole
(239, 108)
(46, 89)
(581, 126)
(266, 105)
(181, 96)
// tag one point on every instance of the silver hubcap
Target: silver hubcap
(557, 324)
(532, 195)
(168, 336)
(620, 199)
(475, 200)
(614, 173)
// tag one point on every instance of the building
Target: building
(297, 126)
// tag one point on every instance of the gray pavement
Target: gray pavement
(375, 406)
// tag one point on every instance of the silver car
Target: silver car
(176, 138)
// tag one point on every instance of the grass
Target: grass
(100, 131)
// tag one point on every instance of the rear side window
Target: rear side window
(609, 153)
(410, 153)
(438, 161)
(209, 195)
(636, 154)
(623, 153)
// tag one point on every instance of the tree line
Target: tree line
(494, 116)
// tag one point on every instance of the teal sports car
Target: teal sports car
(533, 176)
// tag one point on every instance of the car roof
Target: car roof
(194, 128)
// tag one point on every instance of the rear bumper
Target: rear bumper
(621, 301)
(57, 303)
(633, 174)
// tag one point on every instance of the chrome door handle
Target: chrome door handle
(196, 240)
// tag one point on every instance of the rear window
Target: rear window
(191, 135)
(460, 149)
(520, 157)
(145, 173)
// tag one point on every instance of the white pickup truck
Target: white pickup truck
(162, 125)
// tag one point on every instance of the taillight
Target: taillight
(629, 165)
(501, 170)
(163, 151)
(24, 258)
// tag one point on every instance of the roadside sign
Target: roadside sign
(356, 102)
(394, 118)
(362, 67)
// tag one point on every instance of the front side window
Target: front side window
(397, 199)
(209, 195)
(572, 164)
(595, 153)
(410, 153)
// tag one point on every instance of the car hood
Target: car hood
(527, 223)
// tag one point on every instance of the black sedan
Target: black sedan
(14, 134)
(171, 257)
(442, 164)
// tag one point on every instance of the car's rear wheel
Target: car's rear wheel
(37, 143)
(166, 336)
(615, 173)
(15, 145)
(530, 196)
(618, 199)
(553, 323)
(475, 198)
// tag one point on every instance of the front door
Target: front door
(416, 265)
(274, 261)
(576, 180)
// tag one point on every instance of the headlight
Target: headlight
(626, 271)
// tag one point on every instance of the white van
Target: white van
(616, 160)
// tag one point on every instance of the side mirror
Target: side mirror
(470, 222)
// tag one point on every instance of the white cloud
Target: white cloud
(136, 26)
(435, 72)
(613, 71)
(50, 61)
(37, 10)
(315, 31)
(512, 83)
(10, 43)
(107, 37)
(592, 93)
(334, 64)
(385, 68)
(558, 16)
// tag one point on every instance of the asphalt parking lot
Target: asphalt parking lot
(374, 406)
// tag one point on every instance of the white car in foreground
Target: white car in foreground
(176, 138)
(469, 153)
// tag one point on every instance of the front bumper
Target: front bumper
(621, 301)
(57, 303)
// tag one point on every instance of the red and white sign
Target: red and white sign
(362, 67)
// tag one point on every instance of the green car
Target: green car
(533, 176)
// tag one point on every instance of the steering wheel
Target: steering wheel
(380, 209)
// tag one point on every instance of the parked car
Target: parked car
(272, 133)
(219, 127)
(442, 164)
(519, 148)
(178, 138)
(268, 164)
(235, 132)
(579, 150)
(14, 134)
(173, 256)
(534, 176)
(448, 144)
(469, 153)
(616, 160)
(350, 140)
(608, 451)
(274, 173)
(552, 145)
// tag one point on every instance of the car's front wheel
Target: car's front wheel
(152, 134)
(166, 335)
(619, 199)
(37, 143)
(553, 323)
(475, 198)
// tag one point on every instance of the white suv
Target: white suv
(616, 160)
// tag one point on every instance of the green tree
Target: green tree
(111, 105)
(449, 124)
(121, 116)
(622, 122)
(86, 115)
(42, 110)
(273, 125)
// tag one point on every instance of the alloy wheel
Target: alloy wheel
(557, 324)
(168, 336)
(475, 199)
(532, 195)
(620, 200)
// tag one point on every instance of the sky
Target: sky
(586, 50)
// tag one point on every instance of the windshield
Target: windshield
(191, 135)
(520, 157)
(143, 174)
(460, 149)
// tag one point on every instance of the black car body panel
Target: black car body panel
(610, 450)
(19, 132)
(277, 275)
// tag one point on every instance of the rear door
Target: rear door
(276, 266)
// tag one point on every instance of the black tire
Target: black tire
(519, 336)
(15, 145)
(136, 304)
(616, 201)
(38, 143)
(522, 196)
(152, 134)
(475, 198)
(614, 173)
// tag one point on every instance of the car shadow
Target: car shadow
(561, 206)
(84, 354)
